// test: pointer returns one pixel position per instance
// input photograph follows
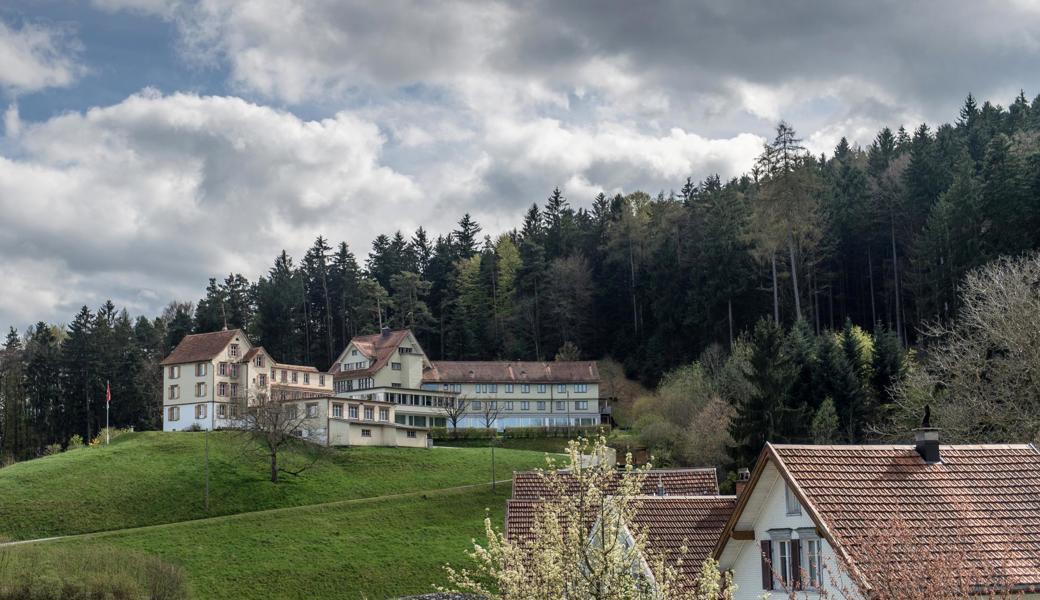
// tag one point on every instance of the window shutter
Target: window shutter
(796, 565)
(767, 562)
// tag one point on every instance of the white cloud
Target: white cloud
(36, 57)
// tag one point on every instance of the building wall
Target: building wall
(558, 408)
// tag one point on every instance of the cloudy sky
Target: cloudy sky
(148, 145)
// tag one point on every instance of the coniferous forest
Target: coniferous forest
(870, 243)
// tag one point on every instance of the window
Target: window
(234, 411)
(793, 507)
(395, 366)
(321, 380)
(284, 374)
(561, 388)
(312, 410)
(259, 361)
(581, 388)
(395, 385)
(175, 392)
(337, 410)
(175, 372)
(222, 368)
(492, 405)
(290, 411)
(222, 388)
(222, 411)
(173, 413)
(234, 369)
(404, 350)
(200, 411)
(384, 414)
(509, 405)
(234, 390)
(307, 378)
(295, 377)
(200, 369)
(814, 564)
(476, 405)
(353, 411)
(581, 405)
(561, 405)
(200, 390)
(261, 380)
(541, 388)
(411, 434)
(233, 351)
(525, 388)
(541, 405)
(369, 413)
(509, 388)
(353, 352)
(525, 405)
(366, 433)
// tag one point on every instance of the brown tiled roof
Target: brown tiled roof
(296, 367)
(671, 522)
(529, 485)
(512, 372)
(198, 347)
(378, 347)
(248, 356)
(984, 497)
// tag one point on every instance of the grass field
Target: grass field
(150, 478)
(554, 445)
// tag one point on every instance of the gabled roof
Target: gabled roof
(529, 485)
(984, 497)
(447, 371)
(377, 347)
(199, 347)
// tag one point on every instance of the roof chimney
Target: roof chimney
(743, 476)
(385, 332)
(660, 486)
(926, 439)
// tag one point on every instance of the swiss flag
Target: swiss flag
(108, 393)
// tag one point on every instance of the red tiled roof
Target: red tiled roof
(512, 372)
(198, 347)
(529, 485)
(986, 498)
(377, 347)
(248, 356)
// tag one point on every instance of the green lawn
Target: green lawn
(370, 549)
(554, 445)
(150, 478)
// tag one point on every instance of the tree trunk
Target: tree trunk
(895, 279)
(776, 293)
(729, 309)
(632, 277)
(274, 467)
(870, 277)
(794, 279)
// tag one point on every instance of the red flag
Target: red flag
(108, 393)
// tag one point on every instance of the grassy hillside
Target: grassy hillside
(370, 549)
(150, 478)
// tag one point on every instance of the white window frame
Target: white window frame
(200, 369)
(353, 411)
(173, 413)
(200, 389)
(581, 405)
(337, 410)
(782, 567)
(200, 411)
(175, 371)
(233, 350)
(525, 388)
(525, 405)
(581, 388)
(175, 392)
(541, 388)
(813, 562)
(561, 388)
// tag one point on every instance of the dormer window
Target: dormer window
(793, 507)
(353, 352)
(233, 350)
(404, 350)
(259, 361)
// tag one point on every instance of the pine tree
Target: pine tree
(825, 424)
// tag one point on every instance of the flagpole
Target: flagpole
(108, 402)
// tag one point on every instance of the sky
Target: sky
(149, 145)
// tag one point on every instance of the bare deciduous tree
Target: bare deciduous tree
(453, 410)
(275, 431)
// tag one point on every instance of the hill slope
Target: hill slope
(150, 478)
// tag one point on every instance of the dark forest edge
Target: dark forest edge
(872, 241)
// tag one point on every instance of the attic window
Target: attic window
(793, 507)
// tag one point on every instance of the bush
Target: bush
(75, 442)
(52, 449)
(115, 432)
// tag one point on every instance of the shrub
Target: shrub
(115, 432)
(52, 449)
(75, 442)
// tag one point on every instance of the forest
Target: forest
(847, 260)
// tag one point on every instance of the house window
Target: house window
(395, 385)
(369, 413)
(353, 411)
(561, 388)
(782, 565)
(411, 434)
(234, 411)
(541, 405)
(541, 388)
(581, 405)
(321, 380)
(561, 405)
(175, 372)
(290, 411)
(814, 564)
(234, 390)
(173, 413)
(525, 405)
(337, 410)
(233, 351)
(284, 375)
(509, 388)
(384, 414)
(312, 410)
(222, 411)
(366, 433)
(200, 411)
(222, 368)
(395, 366)
(295, 377)
(259, 361)
(175, 392)
(234, 369)
(307, 378)
(222, 388)
(509, 405)
(476, 405)
(404, 350)
(581, 388)
(353, 352)
(200, 390)
(200, 369)
(261, 380)
(525, 388)
(793, 507)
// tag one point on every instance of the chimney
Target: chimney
(743, 476)
(385, 332)
(660, 486)
(926, 442)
